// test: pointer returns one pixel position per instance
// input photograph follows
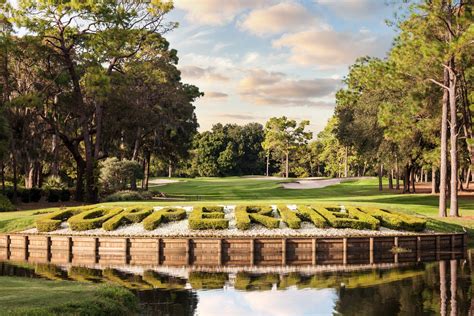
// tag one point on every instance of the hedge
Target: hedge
(245, 215)
(358, 214)
(208, 217)
(207, 280)
(163, 281)
(163, 215)
(395, 220)
(289, 217)
(92, 219)
(53, 221)
(6, 205)
(306, 213)
(134, 215)
(342, 220)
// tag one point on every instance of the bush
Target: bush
(116, 174)
(6, 205)
(134, 215)
(30, 195)
(395, 220)
(163, 281)
(128, 195)
(54, 195)
(208, 218)
(355, 212)
(163, 216)
(342, 220)
(53, 220)
(245, 215)
(289, 217)
(308, 214)
(207, 280)
(93, 218)
(65, 195)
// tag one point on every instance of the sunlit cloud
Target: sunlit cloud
(282, 17)
(329, 47)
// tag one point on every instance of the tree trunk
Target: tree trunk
(287, 167)
(442, 288)
(55, 150)
(453, 205)
(454, 288)
(147, 169)
(80, 181)
(170, 169)
(15, 178)
(267, 165)
(433, 180)
(390, 180)
(443, 169)
(406, 180)
(397, 174)
(413, 174)
(346, 167)
(380, 176)
(2, 175)
(468, 178)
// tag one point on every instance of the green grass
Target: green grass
(236, 190)
(26, 296)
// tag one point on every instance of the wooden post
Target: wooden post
(188, 250)
(70, 255)
(418, 248)
(48, 249)
(158, 251)
(438, 246)
(219, 252)
(283, 251)
(453, 241)
(371, 250)
(344, 250)
(252, 254)
(8, 247)
(314, 243)
(127, 250)
(395, 243)
(27, 243)
(97, 245)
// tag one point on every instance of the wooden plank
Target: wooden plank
(371, 250)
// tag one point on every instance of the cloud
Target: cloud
(330, 47)
(209, 73)
(354, 9)
(242, 117)
(215, 12)
(215, 95)
(273, 88)
(282, 17)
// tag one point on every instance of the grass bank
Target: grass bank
(242, 190)
(26, 296)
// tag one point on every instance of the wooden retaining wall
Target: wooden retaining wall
(152, 251)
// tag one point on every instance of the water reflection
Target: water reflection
(421, 288)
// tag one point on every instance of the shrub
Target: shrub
(54, 195)
(342, 220)
(116, 174)
(53, 221)
(128, 216)
(163, 216)
(245, 215)
(84, 274)
(6, 205)
(93, 218)
(30, 195)
(65, 195)
(395, 220)
(163, 281)
(355, 212)
(207, 280)
(208, 218)
(308, 214)
(127, 195)
(289, 217)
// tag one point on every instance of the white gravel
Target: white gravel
(181, 229)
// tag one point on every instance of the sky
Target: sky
(255, 59)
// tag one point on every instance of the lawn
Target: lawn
(236, 190)
(27, 296)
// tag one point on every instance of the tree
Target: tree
(282, 136)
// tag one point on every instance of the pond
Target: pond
(409, 288)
